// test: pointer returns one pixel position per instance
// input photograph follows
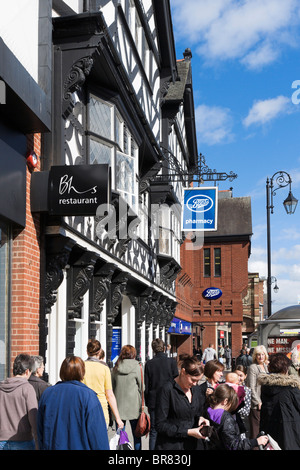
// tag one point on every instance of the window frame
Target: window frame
(206, 265)
(217, 265)
(117, 142)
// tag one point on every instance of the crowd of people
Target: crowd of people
(194, 403)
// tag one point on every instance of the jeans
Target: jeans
(153, 432)
(17, 445)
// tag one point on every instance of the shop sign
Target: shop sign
(180, 327)
(280, 344)
(290, 332)
(116, 344)
(77, 189)
(212, 293)
(200, 207)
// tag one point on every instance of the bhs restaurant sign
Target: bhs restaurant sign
(200, 209)
(78, 189)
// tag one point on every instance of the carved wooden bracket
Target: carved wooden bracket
(118, 287)
(102, 279)
(74, 81)
(57, 255)
(81, 283)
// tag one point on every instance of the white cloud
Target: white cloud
(264, 54)
(291, 233)
(265, 110)
(214, 124)
(289, 253)
(253, 31)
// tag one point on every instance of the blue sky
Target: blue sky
(246, 58)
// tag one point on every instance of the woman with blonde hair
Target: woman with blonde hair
(259, 366)
(98, 378)
(127, 387)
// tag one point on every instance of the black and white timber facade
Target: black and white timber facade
(119, 99)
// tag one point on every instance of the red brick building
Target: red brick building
(222, 263)
(25, 274)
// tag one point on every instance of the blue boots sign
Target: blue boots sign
(212, 293)
(200, 209)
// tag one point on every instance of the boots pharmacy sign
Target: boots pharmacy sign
(77, 189)
(200, 209)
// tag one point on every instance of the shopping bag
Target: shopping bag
(124, 443)
(114, 441)
(272, 444)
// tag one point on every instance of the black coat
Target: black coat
(280, 411)
(227, 435)
(157, 371)
(175, 415)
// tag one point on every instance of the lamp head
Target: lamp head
(290, 203)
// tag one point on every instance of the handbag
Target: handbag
(143, 424)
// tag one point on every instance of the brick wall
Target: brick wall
(26, 275)
(233, 283)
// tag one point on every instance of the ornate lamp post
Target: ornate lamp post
(281, 179)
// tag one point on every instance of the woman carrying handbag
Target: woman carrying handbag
(128, 389)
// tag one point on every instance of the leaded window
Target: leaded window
(111, 142)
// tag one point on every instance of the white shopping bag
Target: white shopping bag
(272, 444)
(114, 441)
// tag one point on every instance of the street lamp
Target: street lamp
(282, 179)
(275, 288)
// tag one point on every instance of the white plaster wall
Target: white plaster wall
(22, 38)
(56, 351)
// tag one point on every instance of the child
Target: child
(222, 402)
(233, 380)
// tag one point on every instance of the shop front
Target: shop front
(180, 334)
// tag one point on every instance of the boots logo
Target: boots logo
(200, 203)
(212, 293)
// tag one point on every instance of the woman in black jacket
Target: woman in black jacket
(227, 436)
(280, 411)
(179, 409)
(213, 372)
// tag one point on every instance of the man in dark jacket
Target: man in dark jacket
(36, 379)
(158, 371)
(244, 359)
